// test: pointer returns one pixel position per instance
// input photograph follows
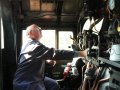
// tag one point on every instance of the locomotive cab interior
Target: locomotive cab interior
(66, 24)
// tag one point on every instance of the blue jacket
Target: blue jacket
(31, 63)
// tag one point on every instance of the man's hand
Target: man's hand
(83, 53)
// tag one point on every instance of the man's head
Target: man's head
(34, 32)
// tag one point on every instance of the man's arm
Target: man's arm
(80, 53)
(68, 55)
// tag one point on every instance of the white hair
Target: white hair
(31, 27)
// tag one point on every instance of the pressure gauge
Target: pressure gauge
(111, 4)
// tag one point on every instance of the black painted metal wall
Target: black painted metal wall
(9, 51)
(1, 83)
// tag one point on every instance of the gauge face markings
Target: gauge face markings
(111, 4)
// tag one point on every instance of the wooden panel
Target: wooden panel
(70, 6)
(48, 7)
(35, 5)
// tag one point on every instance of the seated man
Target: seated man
(31, 62)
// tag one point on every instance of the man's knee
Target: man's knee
(51, 84)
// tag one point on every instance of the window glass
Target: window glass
(24, 37)
(64, 40)
(2, 35)
(48, 38)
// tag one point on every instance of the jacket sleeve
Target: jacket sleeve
(53, 54)
(63, 55)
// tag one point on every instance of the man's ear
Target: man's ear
(30, 33)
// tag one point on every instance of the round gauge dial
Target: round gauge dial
(111, 4)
